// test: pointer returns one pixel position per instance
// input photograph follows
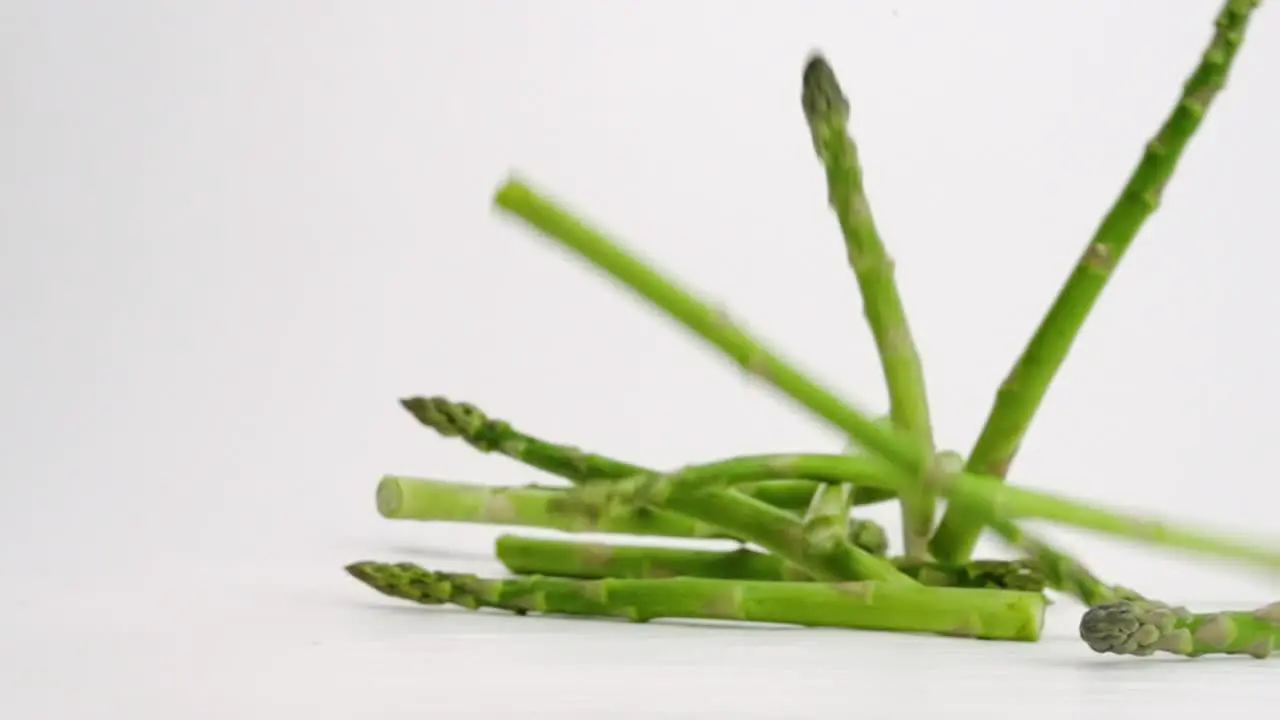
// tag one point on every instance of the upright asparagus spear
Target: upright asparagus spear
(470, 424)
(989, 614)
(1128, 627)
(569, 558)
(1022, 391)
(827, 111)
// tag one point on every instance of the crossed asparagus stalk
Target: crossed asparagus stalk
(820, 566)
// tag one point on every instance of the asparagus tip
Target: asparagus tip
(822, 96)
(1126, 627)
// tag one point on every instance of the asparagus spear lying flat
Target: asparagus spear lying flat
(569, 558)
(1128, 627)
(988, 614)
(404, 498)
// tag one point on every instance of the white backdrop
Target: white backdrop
(234, 233)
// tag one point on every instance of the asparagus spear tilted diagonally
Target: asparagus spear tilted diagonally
(1021, 393)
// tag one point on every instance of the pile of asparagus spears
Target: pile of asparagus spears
(803, 558)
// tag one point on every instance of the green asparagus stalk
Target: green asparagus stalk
(569, 558)
(998, 502)
(723, 513)
(711, 325)
(1128, 627)
(1027, 383)
(405, 498)
(823, 556)
(827, 111)
(989, 614)
(517, 198)
(470, 424)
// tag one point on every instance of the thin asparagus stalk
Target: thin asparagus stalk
(569, 558)
(696, 315)
(997, 501)
(989, 614)
(470, 424)
(1128, 627)
(826, 109)
(405, 498)
(517, 198)
(1027, 383)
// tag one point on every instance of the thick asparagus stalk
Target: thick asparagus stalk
(998, 502)
(569, 558)
(711, 325)
(1129, 627)
(1024, 388)
(827, 111)
(989, 614)
(470, 424)
(405, 498)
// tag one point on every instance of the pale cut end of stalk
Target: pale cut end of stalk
(390, 497)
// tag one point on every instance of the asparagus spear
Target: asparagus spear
(827, 111)
(1129, 627)
(470, 424)
(989, 614)
(1025, 387)
(405, 498)
(996, 501)
(569, 558)
(732, 513)
(711, 325)
(822, 555)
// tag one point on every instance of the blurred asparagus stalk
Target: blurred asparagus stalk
(988, 614)
(569, 558)
(827, 111)
(1028, 382)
